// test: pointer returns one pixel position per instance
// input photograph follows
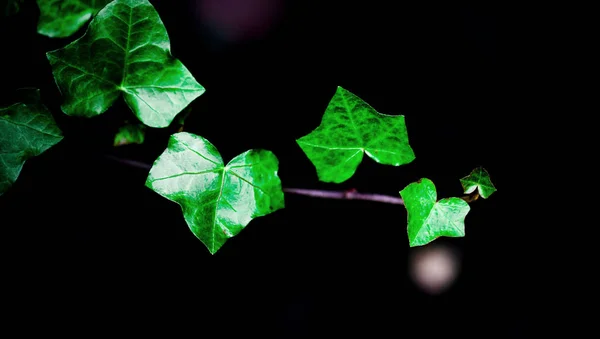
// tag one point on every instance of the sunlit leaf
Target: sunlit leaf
(217, 200)
(349, 129)
(125, 50)
(478, 179)
(62, 18)
(130, 134)
(429, 219)
(27, 129)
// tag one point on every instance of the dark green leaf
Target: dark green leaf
(350, 128)
(478, 179)
(125, 50)
(218, 201)
(130, 134)
(62, 18)
(26, 130)
(428, 219)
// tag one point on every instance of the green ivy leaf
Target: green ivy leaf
(217, 200)
(350, 128)
(62, 18)
(130, 134)
(428, 219)
(125, 50)
(27, 129)
(478, 179)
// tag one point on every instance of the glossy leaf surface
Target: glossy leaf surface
(125, 50)
(130, 134)
(349, 129)
(217, 200)
(62, 18)
(27, 129)
(429, 219)
(478, 179)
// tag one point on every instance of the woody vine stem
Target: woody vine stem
(351, 194)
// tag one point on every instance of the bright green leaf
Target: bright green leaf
(478, 179)
(26, 130)
(62, 18)
(217, 200)
(130, 134)
(125, 50)
(350, 128)
(429, 219)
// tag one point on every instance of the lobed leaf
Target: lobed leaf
(125, 50)
(478, 179)
(27, 129)
(217, 200)
(349, 129)
(429, 219)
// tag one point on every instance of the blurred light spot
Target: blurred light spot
(238, 20)
(434, 267)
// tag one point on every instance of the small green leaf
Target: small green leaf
(428, 219)
(125, 50)
(130, 134)
(350, 128)
(27, 129)
(218, 201)
(478, 179)
(62, 18)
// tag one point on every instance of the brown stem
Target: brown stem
(341, 195)
(346, 195)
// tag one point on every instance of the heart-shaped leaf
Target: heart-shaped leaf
(350, 128)
(429, 219)
(125, 50)
(217, 200)
(62, 18)
(478, 179)
(27, 129)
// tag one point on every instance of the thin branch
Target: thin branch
(340, 195)
(132, 163)
(346, 195)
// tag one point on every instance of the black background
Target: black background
(87, 247)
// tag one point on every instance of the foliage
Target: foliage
(27, 129)
(130, 134)
(349, 129)
(62, 18)
(429, 219)
(125, 50)
(478, 179)
(217, 200)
